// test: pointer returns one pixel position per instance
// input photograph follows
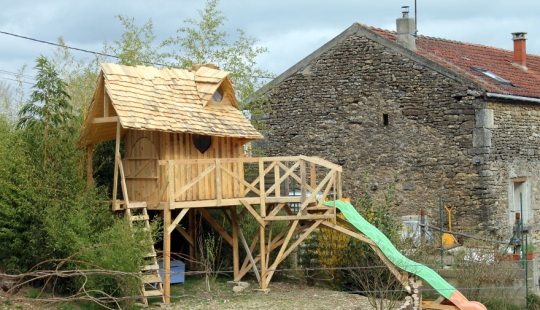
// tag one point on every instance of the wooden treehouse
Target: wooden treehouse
(184, 155)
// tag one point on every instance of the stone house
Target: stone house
(439, 120)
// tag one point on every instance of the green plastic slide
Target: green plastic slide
(390, 250)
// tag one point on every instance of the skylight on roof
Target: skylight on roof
(492, 75)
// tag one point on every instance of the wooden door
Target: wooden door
(141, 170)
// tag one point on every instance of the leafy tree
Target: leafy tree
(48, 110)
(136, 47)
(80, 75)
(202, 41)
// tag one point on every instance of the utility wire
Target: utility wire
(92, 52)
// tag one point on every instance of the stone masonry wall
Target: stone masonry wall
(514, 153)
(388, 120)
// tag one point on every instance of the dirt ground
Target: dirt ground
(281, 296)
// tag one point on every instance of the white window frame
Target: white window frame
(519, 185)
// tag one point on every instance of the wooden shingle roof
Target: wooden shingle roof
(169, 100)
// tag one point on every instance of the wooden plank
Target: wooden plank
(89, 162)
(429, 305)
(285, 176)
(312, 175)
(321, 162)
(186, 235)
(241, 180)
(219, 185)
(167, 238)
(154, 293)
(235, 228)
(299, 217)
(250, 256)
(253, 212)
(106, 103)
(123, 180)
(262, 173)
(375, 248)
(294, 176)
(277, 180)
(151, 278)
(283, 254)
(136, 205)
(177, 220)
(102, 120)
(115, 180)
(222, 232)
(192, 182)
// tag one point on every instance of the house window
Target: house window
(519, 200)
(385, 119)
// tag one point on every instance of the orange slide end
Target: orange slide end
(463, 303)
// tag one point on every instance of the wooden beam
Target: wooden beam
(123, 180)
(177, 220)
(192, 182)
(299, 217)
(89, 167)
(216, 226)
(219, 194)
(115, 180)
(253, 212)
(249, 186)
(101, 120)
(283, 254)
(401, 277)
(167, 238)
(262, 254)
(250, 256)
(262, 173)
(321, 162)
(185, 234)
(106, 102)
(235, 228)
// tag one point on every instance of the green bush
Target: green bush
(50, 220)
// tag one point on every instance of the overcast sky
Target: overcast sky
(291, 29)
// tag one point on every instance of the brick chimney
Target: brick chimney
(406, 30)
(520, 51)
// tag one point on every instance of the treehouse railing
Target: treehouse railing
(200, 183)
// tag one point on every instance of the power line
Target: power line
(92, 52)
(59, 45)
(14, 80)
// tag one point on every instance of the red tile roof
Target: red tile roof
(461, 56)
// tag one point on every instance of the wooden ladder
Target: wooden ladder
(151, 286)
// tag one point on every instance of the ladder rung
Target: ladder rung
(136, 205)
(139, 218)
(153, 266)
(151, 254)
(153, 293)
(151, 278)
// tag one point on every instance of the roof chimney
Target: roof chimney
(406, 31)
(520, 51)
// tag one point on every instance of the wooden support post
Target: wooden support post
(235, 235)
(262, 187)
(313, 176)
(167, 237)
(264, 267)
(116, 159)
(193, 235)
(89, 167)
(303, 183)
